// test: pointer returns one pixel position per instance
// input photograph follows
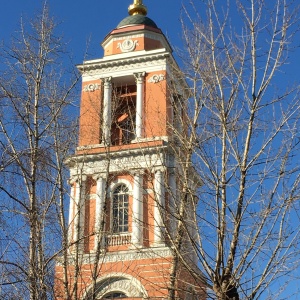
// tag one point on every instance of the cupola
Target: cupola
(136, 32)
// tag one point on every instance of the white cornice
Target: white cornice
(126, 64)
(113, 59)
(130, 255)
(126, 160)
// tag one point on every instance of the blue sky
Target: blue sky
(88, 22)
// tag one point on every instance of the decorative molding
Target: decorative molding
(159, 169)
(77, 178)
(118, 182)
(156, 78)
(150, 253)
(107, 81)
(137, 172)
(146, 34)
(92, 164)
(91, 87)
(150, 139)
(135, 141)
(139, 77)
(121, 38)
(129, 255)
(128, 45)
(97, 176)
(106, 66)
(121, 282)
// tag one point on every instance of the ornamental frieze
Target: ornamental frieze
(116, 164)
(98, 69)
(129, 256)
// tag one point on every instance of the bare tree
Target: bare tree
(36, 136)
(243, 140)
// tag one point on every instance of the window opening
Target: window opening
(115, 295)
(120, 209)
(124, 111)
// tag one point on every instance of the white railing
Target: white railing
(118, 239)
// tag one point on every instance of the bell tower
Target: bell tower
(123, 175)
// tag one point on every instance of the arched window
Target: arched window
(120, 209)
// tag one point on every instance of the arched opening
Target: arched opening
(124, 114)
(116, 286)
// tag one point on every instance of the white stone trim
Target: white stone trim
(100, 200)
(76, 218)
(151, 139)
(159, 206)
(140, 140)
(129, 255)
(121, 161)
(173, 200)
(139, 77)
(71, 212)
(119, 282)
(137, 211)
(128, 45)
(126, 66)
(155, 78)
(106, 116)
(91, 87)
(118, 182)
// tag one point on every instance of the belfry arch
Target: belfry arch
(117, 283)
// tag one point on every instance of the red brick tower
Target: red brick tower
(123, 169)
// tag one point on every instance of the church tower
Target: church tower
(124, 172)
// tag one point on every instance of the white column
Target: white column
(179, 121)
(172, 201)
(137, 210)
(99, 214)
(82, 210)
(71, 211)
(76, 211)
(139, 77)
(79, 212)
(106, 125)
(159, 207)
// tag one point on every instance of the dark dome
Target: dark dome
(137, 20)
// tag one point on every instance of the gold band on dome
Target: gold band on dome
(137, 8)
